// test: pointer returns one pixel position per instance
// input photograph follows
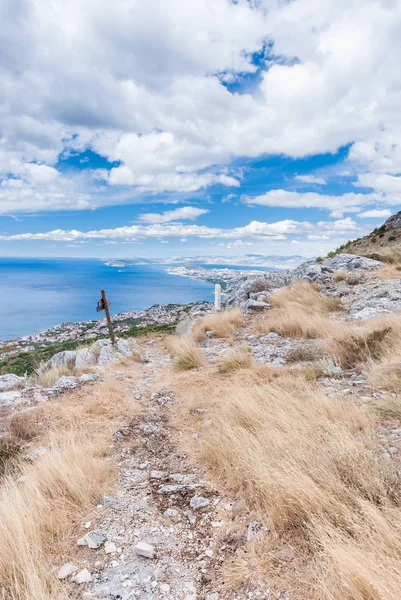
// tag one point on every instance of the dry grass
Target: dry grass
(9, 451)
(40, 517)
(300, 311)
(388, 272)
(27, 424)
(50, 376)
(306, 297)
(187, 355)
(368, 342)
(234, 360)
(310, 469)
(221, 324)
(340, 276)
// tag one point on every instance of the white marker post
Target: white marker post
(217, 297)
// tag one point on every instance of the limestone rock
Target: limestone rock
(66, 570)
(254, 306)
(61, 359)
(124, 347)
(10, 382)
(88, 377)
(84, 358)
(8, 398)
(83, 576)
(65, 382)
(106, 356)
(94, 539)
(198, 502)
(352, 262)
(146, 550)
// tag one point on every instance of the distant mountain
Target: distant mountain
(247, 260)
(382, 241)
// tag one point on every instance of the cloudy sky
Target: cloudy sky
(183, 127)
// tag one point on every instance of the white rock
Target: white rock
(109, 548)
(146, 550)
(209, 552)
(10, 381)
(88, 377)
(124, 347)
(82, 577)
(106, 356)
(65, 382)
(84, 357)
(95, 539)
(8, 398)
(61, 359)
(198, 502)
(66, 570)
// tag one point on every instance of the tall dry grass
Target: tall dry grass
(40, 514)
(240, 358)
(187, 355)
(299, 311)
(310, 469)
(221, 324)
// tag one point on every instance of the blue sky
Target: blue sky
(215, 128)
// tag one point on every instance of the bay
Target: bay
(37, 294)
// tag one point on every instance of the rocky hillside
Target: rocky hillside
(381, 243)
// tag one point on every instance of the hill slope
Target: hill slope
(382, 241)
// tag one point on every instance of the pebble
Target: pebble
(94, 539)
(198, 502)
(146, 550)
(83, 576)
(109, 548)
(66, 570)
(171, 512)
(209, 552)
(190, 516)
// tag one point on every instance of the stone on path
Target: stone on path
(66, 570)
(146, 550)
(94, 539)
(110, 548)
(82, 577)
(198, 502)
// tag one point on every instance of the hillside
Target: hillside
(253, 453)
(381, 242)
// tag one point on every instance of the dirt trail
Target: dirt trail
(161, 499)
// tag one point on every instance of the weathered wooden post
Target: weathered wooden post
(104, 304)
(217, 297)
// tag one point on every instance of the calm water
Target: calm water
(39, 293)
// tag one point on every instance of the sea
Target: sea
(36, 294)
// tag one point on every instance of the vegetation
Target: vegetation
(234, 360)
(220, 325)
(187, 355)
(26, 363)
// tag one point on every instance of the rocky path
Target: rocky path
(162, 521)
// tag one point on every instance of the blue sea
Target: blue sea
(39, 293)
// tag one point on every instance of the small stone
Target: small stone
(87, 524)
(190, 516)
(158, 475)
(214, 596)
(143, 466)
(66, 570)
(82, 577)
(111, 502)
(198, 502)
(95, 539)
(164, 587)
(175, 489)
(209, 552)
(396, 431)
(110, 548)
(171, 513)
(254, 528)
(146, 550)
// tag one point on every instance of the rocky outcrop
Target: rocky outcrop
(351, 262)
(11, 382)
(61, 359)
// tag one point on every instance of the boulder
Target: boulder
(10, 382)
(84, 358)
(254, 306)
(65, 382)
(61, 359)
(124, 347)
(106, 356)
(352, 262)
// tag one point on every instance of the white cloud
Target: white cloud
(256, 230)
(376, 213)
(179, 214)
(311, 179)
(287, 199)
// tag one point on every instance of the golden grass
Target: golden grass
(388, 272)
(39, 518)
(234, 360)
(187, 355)
(51, 375)
(299, 311)
(304, 296)
(340, 275)
(27, 424)
(370, 341)
(310, 469)
(221, 324)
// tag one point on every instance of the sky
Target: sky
(197, 127)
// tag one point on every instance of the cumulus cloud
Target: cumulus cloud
(184, 213)
(147, 89)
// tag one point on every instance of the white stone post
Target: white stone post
(217, 297)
